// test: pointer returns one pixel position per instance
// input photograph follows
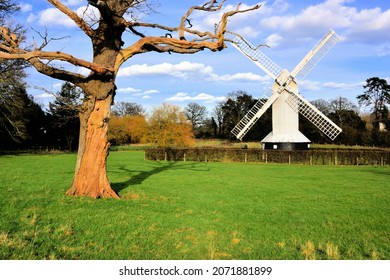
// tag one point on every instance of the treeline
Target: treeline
(23, 123)
(130, 125)
(368, 129)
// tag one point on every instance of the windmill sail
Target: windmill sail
(315, 55)
(254, 114)
(257, 57)
(315, 116)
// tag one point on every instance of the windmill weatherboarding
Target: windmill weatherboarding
(285, 99)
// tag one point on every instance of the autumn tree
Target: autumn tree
(168, 127)
(127, 129)
(109, 53)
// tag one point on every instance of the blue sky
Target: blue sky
(290, 28)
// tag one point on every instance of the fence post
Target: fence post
(246, 157)
(289, 159)
(184, 157)
(165, 156)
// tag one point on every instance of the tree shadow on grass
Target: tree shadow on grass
(143, 175)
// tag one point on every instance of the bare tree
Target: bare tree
(109, 54)
(122, 109)
(196, 114)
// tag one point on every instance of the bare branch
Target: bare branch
(60, 74)
(73, 16)
(28, 56)
(245, 41)
(204, 40)
(9, 49)
(45, 39)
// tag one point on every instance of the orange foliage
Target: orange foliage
(168, 127)
(128, 129)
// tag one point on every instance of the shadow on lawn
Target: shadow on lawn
(143, 175)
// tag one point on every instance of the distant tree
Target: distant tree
(345, 114)
(376, 96)
(208, 129)
(168, 127)
(122, 109)
(12, 87)
(322, 105)
(12, 101)
(236, 107)
(354, 128)
(128, 129)
(64, 115)
(340, 107)
(196, 114)
(22, 121)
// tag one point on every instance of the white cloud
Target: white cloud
(343, 85)
(32, 18)
(73, 2)
(359, 25)
(146, 94)
(183, 96)
(242, 77)
(89, 13)
(188, 70)
(25, 7)
(127, 90)
(309, 85)
(384, 50)
(54, 17)
(273, 40)
(152, 91)
(183, 69)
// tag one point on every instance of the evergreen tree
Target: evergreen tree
(64, 116)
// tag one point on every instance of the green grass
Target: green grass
(189, 210)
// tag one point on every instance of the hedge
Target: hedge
(308, 157)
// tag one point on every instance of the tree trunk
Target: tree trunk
(90, 177)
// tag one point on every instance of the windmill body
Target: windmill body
(285, 134)
(285, 99)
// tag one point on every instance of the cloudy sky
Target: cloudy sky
(290, 29)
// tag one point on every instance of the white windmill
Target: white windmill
(285, 99)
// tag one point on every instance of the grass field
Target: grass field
(189, 210)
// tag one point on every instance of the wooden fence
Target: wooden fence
(309, 157)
